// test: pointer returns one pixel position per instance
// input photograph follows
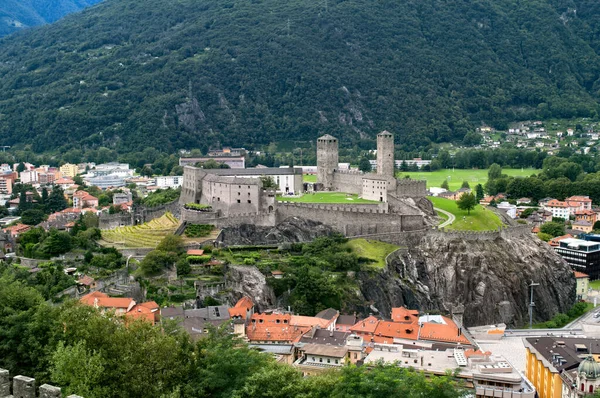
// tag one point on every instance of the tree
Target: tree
(364, 165)
(44, 195)
(465, 184)
(56, 243)
(467, 202)
(596, 226)
(56, 200)
(472, 139)
(553, 229)
(20, 167)
(156, 261)
(171, 243)
(544, 237)
(79, 370)
(494, 172)
(479, 192)
(268, 182)
(32, 216)
(445, 185)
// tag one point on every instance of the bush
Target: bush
(198, 207)
(198, 230)
(198, 259)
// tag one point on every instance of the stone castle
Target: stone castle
(234, 197)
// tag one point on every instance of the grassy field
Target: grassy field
(373, 250)
(456, 177)
(595, 284)
(309, 177)
(480, 219)
(144, 235)
(326, 197)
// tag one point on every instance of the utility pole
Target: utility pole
(531, 304)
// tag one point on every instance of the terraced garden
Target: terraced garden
(144, 235)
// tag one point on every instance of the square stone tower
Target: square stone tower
(327, 159)
(385, 154)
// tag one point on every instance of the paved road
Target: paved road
(450, 220)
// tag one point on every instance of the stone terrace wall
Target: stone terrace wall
(139, 215)
(24, 387)
(110, 221)
(350, 219)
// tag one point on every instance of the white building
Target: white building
(169, 181)
(511, 210)
(28, 177)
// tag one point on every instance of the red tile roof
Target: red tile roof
(102, 300)
(580, 275)
(241, 308)
(401, 314)
(274, 328)
(195, 252)
(367, 325)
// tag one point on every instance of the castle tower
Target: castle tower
(385, 154)
(327, 159)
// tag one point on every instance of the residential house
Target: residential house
(558, 208)
(65, 183)
(16, 230)
(583, 281)
(274, 328)
(123, 306)
(583, 226)
(524, 201)
(243, 309)
(121, 198)
(69, 170)
(510, 209)
(330, 315)
(28, 177)
(586, 215)
(554, 242)
(82, 199)
(583, 202)
(345, 322)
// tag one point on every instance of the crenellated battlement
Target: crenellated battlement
(375, 208)
(24, 387)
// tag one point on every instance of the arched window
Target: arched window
(591, 388)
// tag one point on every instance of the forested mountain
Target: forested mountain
(19, 14)
(181, 74)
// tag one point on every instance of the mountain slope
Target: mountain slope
(19, 14)
(183, 74)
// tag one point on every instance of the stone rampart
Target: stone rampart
(412, 188)
(111, 221)
(407, 238)
(350, 219)
(350, 182)
(215, 218)
(24, 387)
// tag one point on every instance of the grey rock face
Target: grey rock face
(252, 283)
(488, 277)
(292, 230)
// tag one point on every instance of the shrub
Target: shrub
(198, 230)
(198, 207)
(198, 259)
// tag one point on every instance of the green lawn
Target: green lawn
(326, 197)
(373, 250)
(456, 177)
(309, 177)
(595, 284)
(480, 219)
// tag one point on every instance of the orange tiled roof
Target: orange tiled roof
(83, 195)
(142, 312)
(579, 275)
(554, 241)
(274, 328)
(556, 203)
(64, 181)
(103, 300)
(151, 305)
(16, 229)
(241, 307)
(195, 252)
(367, 325)
(401, 314)
(440, 332)
(310, 321)
(391, 330)
(585, 213)
(86, 280)
(579, 198)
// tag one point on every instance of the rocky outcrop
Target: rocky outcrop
(249, 281)
(294, 229)
(488, 277)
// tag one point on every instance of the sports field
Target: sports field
(326, 197)
(480, 219)
(456, 177)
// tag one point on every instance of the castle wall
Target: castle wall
(348, 182)
(376, 187)
(220, 221)
(191, 189)
(350, 219)
(413, 188)
(231, 195)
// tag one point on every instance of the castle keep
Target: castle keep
(238, 197)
